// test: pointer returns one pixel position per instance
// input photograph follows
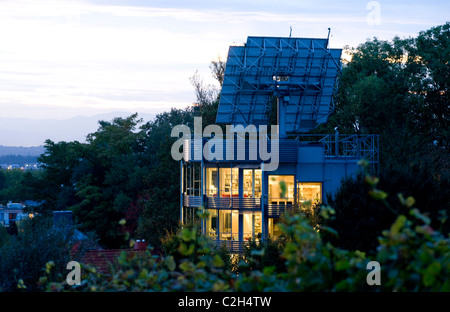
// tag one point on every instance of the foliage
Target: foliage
(16, 185)
(24, 256)
(360, 219)
(4, 236)
(413, 257)
(399, 89)
(200, 270)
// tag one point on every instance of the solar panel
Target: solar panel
(301, 72)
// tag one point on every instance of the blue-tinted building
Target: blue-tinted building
(247, 180)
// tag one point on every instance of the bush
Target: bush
(24, 256)
(200, 269)
(412, 256)
(361, 217)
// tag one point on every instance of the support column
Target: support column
(281, 115)
(181, 191)
(264, 219)
(202, 185)
(241, 195)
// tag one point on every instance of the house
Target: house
(249, 177)
(86, 251)
(12, 212)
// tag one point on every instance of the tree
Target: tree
(109, 177)
(25, 255)
(162, 189)
(3, 183)
(217, 68)
(398, 89)
(56, 185)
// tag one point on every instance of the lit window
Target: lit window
(309, 192)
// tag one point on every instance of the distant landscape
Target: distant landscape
(33, 132)
(32, 151)
(22, 140)
(19, 155)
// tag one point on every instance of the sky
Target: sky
(67, 58)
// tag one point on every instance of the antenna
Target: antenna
(290, 31)
(328, 37)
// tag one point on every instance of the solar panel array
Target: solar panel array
(301, 71)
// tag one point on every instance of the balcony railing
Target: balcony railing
(247, 203)
(276, 208)
(192, 201)
(232, 246)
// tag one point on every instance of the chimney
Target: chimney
(140, 245)
(63, 219)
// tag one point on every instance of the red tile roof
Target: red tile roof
(104, 260)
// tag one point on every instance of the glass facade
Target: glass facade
(281, 189)
(252, 183)
(229, 182)
(212, 186)
(252, 225)
(281, 196)
(235, 192)
(309, 192)
(223, 184)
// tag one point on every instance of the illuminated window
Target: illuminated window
(281, 189)
(228, 224)
(309, 192)
(252, 183)
(211, 223)
(211, 182)
(229, 182)
(252, 225)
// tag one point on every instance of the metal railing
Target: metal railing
(232, 246)
(276, 208)
(358, 146)
(192, 201)
(249, 203)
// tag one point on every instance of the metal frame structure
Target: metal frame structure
(300, 72)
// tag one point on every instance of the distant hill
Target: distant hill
(21, 151)
(34, 132)
(19, 155)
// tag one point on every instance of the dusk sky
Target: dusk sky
(60, 59)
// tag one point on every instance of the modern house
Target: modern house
(247, 178)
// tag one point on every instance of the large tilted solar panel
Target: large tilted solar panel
(302, 71)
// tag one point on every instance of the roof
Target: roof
(104, 260)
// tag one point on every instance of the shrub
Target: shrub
(24, 256)
(412, 255)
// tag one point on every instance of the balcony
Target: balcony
(192, 201)
(276, 208)
(233, 246)
(236, 203)
(242, 204)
